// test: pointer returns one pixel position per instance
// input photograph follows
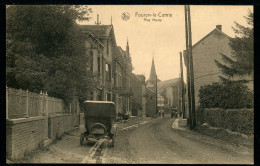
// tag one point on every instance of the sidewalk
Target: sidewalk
(218, 133)
(180, 123)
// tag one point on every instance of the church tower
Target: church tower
(152, 79)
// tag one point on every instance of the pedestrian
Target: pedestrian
(162, 113)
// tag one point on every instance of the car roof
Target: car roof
(90, 101)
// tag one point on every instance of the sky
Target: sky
(159, 31)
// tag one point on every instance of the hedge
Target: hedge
(237, 120)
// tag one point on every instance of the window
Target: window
(108, 72)
(98, 65)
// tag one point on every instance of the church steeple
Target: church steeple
(152, 72)
(127, 46)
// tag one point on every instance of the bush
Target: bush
(237, 120)
(226, 96)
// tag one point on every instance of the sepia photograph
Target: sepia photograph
(130, 84)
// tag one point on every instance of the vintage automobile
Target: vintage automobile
(99, 121)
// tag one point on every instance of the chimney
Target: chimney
(219, 27)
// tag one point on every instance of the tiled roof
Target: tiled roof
(98, 30)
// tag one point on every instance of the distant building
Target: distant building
(169, 89)
(160, 101)
(151, 92)
(204, 52)
(138, 97)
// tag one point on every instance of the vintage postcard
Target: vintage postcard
(130, 84)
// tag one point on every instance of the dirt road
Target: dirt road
(158, 142)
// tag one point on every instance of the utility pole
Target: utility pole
(191, 73)
(156, 96)
(182, 89)
(186, 53)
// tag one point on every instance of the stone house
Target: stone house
(204, 52)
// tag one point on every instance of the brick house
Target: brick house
(204, 52)
(101, 58)
(111, 66)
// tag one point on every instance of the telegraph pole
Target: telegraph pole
(191, 72)
(182, 89)
(156, 96)
(186, 53)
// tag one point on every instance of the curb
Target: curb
(136, 125)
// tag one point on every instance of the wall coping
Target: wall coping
(23, 120)
(57, 115)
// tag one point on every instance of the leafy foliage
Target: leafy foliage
(45, 50)
(236, 120)
(227, 95)
(241, 62)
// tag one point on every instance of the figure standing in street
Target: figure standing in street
(162, 113)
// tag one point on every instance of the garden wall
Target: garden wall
(24, 135)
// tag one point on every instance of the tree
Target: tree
(45, 49)
(241, 62)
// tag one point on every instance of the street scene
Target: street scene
(130, 84)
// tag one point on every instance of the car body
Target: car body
(99, 120)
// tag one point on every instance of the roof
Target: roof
(214, 30)
(138, 77)
(217, 30)
(168, 83)
(98, 30)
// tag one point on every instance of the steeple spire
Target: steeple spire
(127, 46)
(111, 20)
(153, 72)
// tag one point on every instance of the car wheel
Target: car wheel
(113, 141)
(81, 138)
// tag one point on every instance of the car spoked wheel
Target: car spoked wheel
(113, 140)
(81, 138)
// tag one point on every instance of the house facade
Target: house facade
(111, 66)
(204, 52)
